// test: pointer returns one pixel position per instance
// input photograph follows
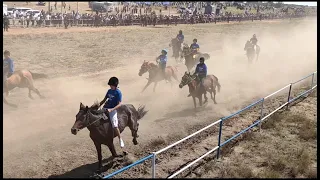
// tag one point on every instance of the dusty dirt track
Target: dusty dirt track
(37, 138)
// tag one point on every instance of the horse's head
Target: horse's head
(246, 45)
(83, 118)
(144, 68)
(186, 79)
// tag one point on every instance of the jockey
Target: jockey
(112, 102)
(162, 61)
(8, 63)
(201, 72)
(180, 37)
(194, 47)
(254, 40)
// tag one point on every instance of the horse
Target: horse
(21, 79)
(155, 74)
(210, 83)
(190, 59)
(176, 48)
(251, 52)
(100, 127)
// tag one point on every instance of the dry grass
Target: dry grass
(308, 130)
(267, 173)
(157, 142)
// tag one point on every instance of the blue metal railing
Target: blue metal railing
(220, 121)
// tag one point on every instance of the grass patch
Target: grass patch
(157, 142)
(304, 162)
(269, 123)
(308, 130)
(279, 164)
(269, 173)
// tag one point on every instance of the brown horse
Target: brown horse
(190, 59)
(251, 52)
(210, 83)
(21, 79)
(99, 125)
(155, 74)
(176, 49)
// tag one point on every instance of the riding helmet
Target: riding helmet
(201, 59)
(165, 51)
(195, 40)
(113, 81)
(6, 52)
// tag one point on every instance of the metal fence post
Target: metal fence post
(219, 138)
(154, 165)
(261, 114)
(312, 80)
(289, 95)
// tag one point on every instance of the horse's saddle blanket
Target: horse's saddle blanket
(103, 114)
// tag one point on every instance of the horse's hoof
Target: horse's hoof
(135, 142)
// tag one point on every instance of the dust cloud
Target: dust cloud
(41, 128)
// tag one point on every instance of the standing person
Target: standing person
(5, 23)
(112, 101)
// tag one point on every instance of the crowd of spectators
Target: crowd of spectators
(142, 14)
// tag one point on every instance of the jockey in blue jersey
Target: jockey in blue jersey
(112, 101)
(8, 63)
(254, 41)
(201, 72)
(180, 37)
(194, 48)
(162, 61)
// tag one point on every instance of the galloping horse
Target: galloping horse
(21, 79)
(99, 125)
(251, 52)
(190, 59)
(176, 48)
(210, 83)
(155, 74)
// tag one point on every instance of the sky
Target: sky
(314, 3)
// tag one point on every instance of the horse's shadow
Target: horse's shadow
(87, 170)
(184, 113)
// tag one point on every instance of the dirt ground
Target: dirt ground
(37, 137)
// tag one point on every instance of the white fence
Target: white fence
(220, 122)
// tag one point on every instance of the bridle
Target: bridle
(86, 118)
(188, 81)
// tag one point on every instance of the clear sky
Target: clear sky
(313, 3)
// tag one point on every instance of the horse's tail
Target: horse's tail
(38, 75)
(218, 84)
(206, 56)
(141, 112)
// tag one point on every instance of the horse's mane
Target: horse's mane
(152, 64)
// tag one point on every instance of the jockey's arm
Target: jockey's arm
(157, 59)
(103, 101)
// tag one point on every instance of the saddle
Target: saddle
(102, 113)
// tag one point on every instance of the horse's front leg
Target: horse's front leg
(205, 97)
(194, 102)
(200, 100)
(154, 86)
(145, 87)
(98, 148)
